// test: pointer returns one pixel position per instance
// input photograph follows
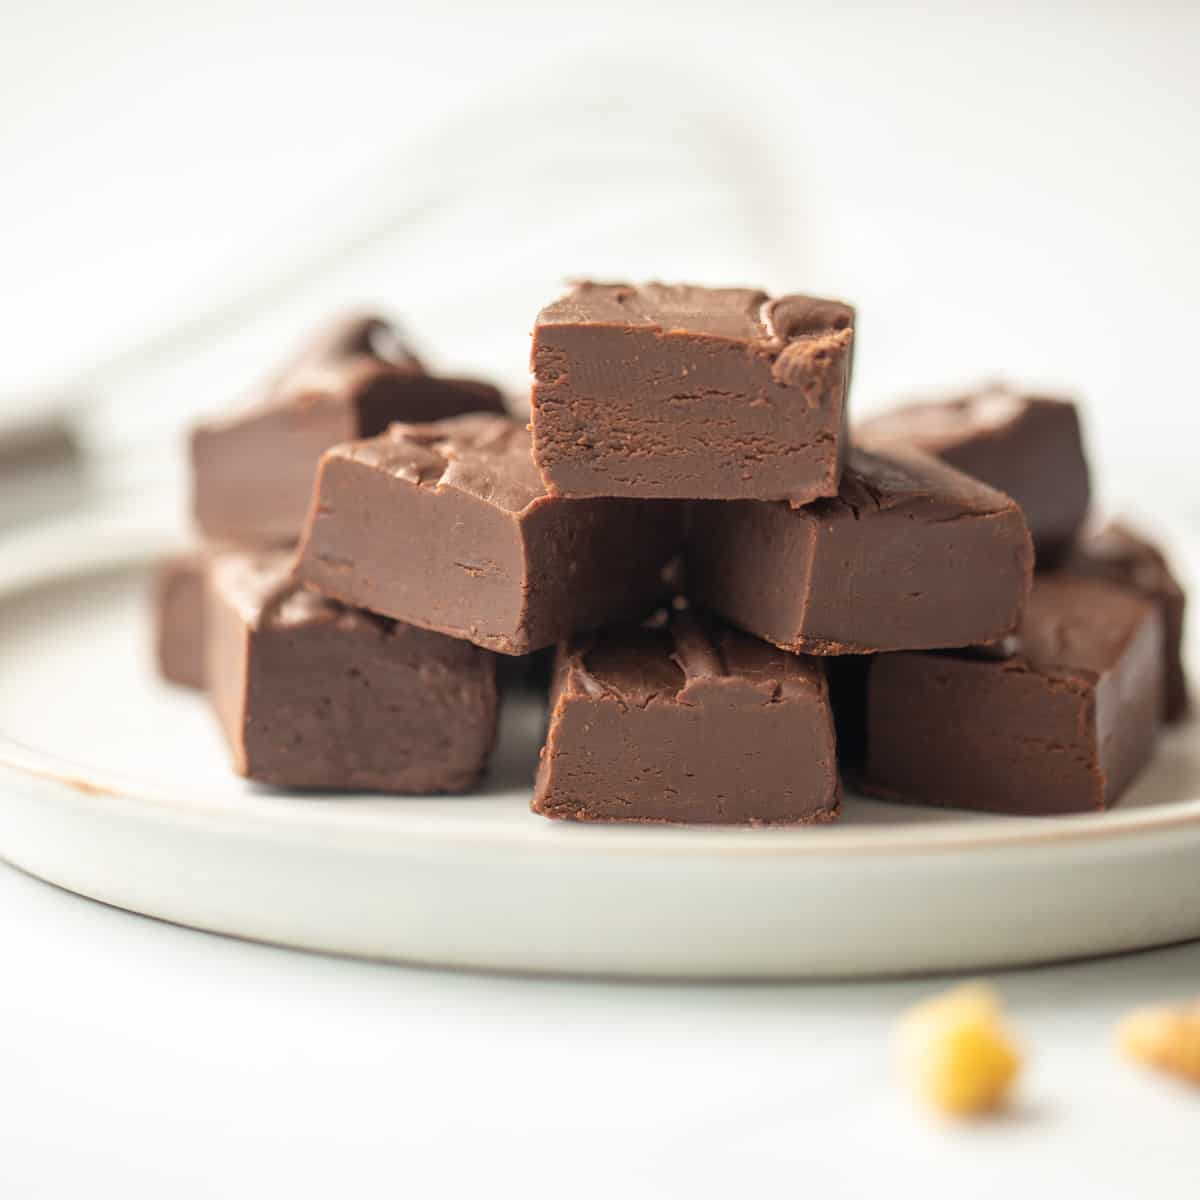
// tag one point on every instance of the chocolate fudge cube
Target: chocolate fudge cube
(449, 527)
(312, 694)
(1119, 553)
(1029, 447)
(689, 721)
(911, 554)
(252, 472)
(179, 619)
(1062, 727)
(690, 393)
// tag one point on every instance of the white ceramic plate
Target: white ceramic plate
(116, 786)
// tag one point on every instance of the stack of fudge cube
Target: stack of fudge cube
(748, 599)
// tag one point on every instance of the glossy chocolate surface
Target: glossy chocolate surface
(1062, 726)
(687, 721)
(449, 527)
(690, 393)
(1029, 447)
(179, 619)
(911, 554)
(312, 694)
(1119, 553)
(253, 471)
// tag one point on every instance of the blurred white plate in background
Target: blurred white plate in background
(117, 787)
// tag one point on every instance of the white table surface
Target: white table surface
(138, 1059)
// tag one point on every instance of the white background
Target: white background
(1006, 188)
(999, 188)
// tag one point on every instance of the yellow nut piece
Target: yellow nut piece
(1166, 1038)
(955, 1052)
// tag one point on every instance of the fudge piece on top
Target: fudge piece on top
(690, 393)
